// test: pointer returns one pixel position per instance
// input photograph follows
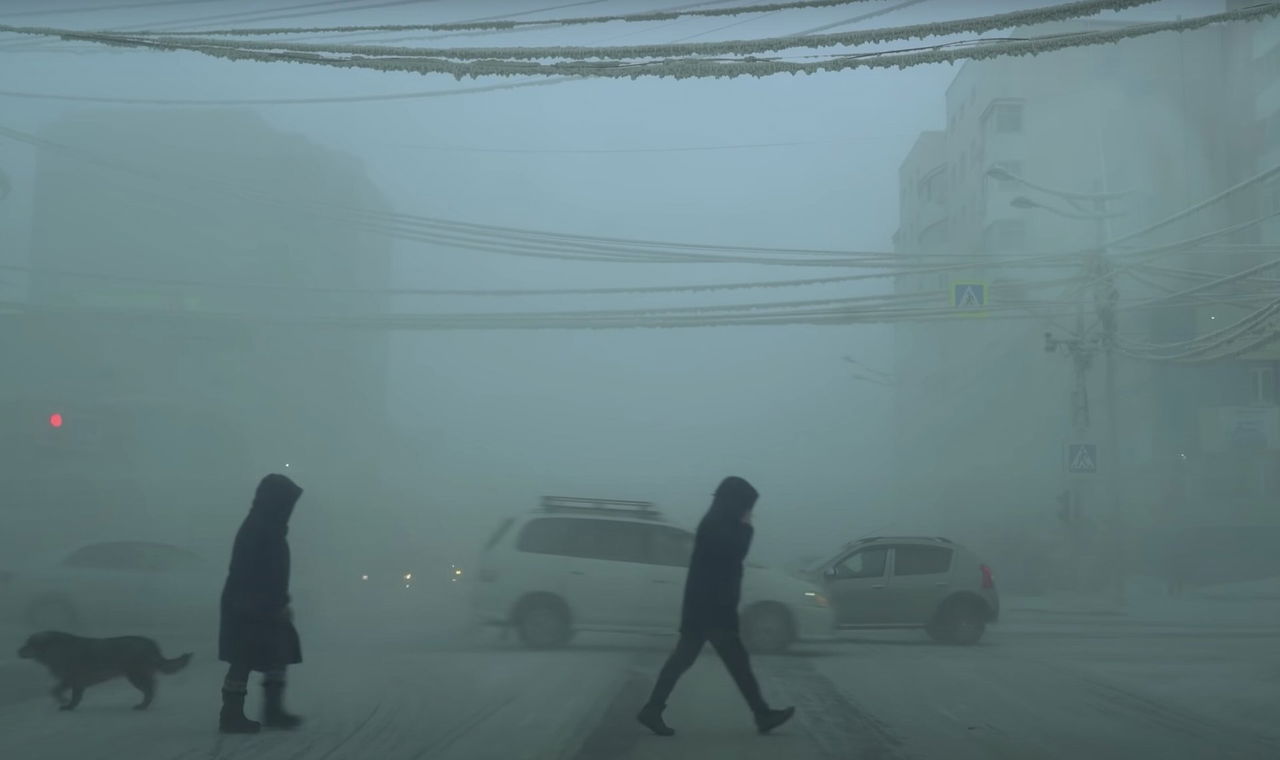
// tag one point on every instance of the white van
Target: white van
(607, 565)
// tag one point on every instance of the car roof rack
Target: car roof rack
(617, 507)
(899, 538)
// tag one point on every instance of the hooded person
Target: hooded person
(256, 631)
(709, 612)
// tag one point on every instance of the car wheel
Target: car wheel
(767, 629)
(959, 622)
(544, 624)
(52, 614)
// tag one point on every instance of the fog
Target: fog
(435, 301)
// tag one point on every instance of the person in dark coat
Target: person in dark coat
(712, 590)
(256, 631)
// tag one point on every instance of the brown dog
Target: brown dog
(78, 663)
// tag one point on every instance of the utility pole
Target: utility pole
(1081, 353)
(1105, 300)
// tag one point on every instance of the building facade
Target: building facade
(1050, 155)
(183, 335)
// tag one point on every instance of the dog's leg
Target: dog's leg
(77, 693)
(59, 692)
(145, 683)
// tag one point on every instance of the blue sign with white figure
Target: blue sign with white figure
(969, 295)
(1082, 458)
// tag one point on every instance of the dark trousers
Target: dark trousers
(732, 653)
(238, 677)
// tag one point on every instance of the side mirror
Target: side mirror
(830, 573)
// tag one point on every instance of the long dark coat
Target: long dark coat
(256, 629)
(713, 587)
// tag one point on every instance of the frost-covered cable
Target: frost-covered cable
(505, 25)
(730, 48)
(1260, 177)
(861, 18)
(702, 68)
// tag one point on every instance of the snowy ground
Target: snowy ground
(1042, 685)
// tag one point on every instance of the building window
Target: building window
(1005, 117)
(1005, 236)
(1271, 132)
(1268, 66)
(1264, 385)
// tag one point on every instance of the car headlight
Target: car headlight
(816, 598)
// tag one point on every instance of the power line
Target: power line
(859, 19)
(285, 101)
(971, 25)
(101, 8)
(685, 68)
(498, 24)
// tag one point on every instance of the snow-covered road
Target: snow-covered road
(1038, 687)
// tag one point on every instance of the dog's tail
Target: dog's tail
(169, 667)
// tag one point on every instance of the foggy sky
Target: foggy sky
(659, 414)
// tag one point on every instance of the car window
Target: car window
(921, 560)
(163, 559)
(868, 563)
(611, 540)
(670, 546)
(546, 536)
(121, 556)
(501, 531)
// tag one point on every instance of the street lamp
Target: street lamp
(1001, 174)
(1024, 202)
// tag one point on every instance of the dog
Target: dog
(78, 663)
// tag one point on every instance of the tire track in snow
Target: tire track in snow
(462, 729)
(838, 726)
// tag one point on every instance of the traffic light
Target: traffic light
(55, 420)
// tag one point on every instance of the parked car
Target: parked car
(910, 582)
(116, 587)
(603, 565)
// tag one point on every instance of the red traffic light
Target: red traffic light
(55, 420)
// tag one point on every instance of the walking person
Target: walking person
(256, 631)
(712, 590)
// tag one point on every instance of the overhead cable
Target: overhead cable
(684, 68)
(500, 24)
(972, 25)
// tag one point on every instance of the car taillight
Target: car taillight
(988, 580)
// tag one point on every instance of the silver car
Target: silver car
(911, 582)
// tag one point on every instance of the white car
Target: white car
(603, 565)
(117, 587)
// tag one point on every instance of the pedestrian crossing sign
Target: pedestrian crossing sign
(970, 296)
(1082, 458)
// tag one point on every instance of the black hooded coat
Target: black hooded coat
(256, 629)
(713, 587)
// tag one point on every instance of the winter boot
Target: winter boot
(771, 719)
(273, 712)
(232, 719)
(651, 718)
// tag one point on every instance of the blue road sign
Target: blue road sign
(1082, 458)
(969, 295)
